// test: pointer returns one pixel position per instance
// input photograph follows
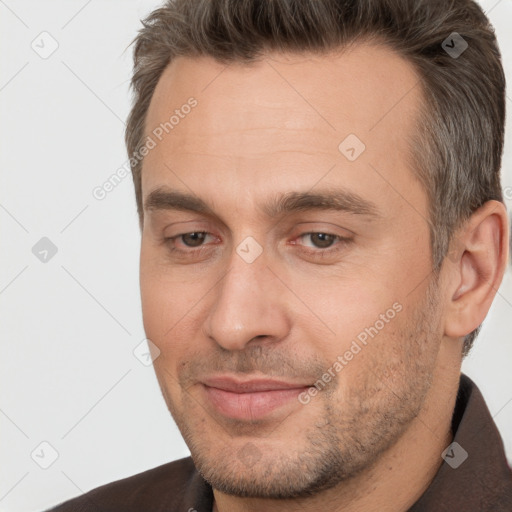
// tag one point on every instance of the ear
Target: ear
(476, 263)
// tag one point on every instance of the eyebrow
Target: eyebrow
(290, 202)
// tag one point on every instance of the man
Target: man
(323, 232)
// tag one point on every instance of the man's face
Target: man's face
(285, 290)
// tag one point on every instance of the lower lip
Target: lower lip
(251, 406)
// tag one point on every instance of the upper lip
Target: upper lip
(235, 385)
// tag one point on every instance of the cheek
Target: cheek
(155, 299)
(161, 298)
(171, 308)
(165, 324)
(165, 309)
(366, 316)
(349, 305)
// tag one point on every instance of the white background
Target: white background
(67, 369)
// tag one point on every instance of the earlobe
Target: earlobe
(478, 262)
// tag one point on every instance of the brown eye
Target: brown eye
(322, 240)
(318, 240)
(319, 246)
(194, 239)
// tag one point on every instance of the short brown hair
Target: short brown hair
(458, 145)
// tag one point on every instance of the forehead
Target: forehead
(284, 115)
(357, 83)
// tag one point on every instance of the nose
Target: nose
(248, 306)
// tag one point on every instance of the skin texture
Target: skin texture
(371, 439)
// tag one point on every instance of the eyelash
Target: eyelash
(318, 252)
(196, 251)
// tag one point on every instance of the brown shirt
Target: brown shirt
(481, 483)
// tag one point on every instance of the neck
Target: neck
(396, 480)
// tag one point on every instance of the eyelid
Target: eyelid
(323, 226)
(338, 238)
(319, 233)
(188, 248)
